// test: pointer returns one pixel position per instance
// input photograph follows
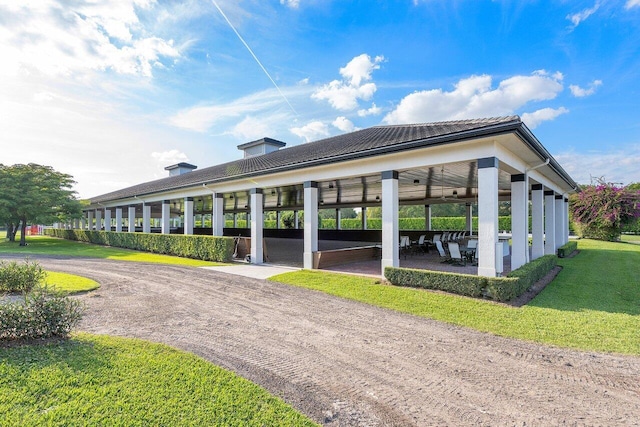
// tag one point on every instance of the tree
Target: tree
(35, 194)
(602, 210)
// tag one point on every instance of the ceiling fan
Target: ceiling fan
(442, 196)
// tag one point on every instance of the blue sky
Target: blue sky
(112, 92)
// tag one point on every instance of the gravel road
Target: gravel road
(349, 364)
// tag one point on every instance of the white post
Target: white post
(256, 226)
(338, 219)
(469, 218)
(119, 220)
(364, 217)
(310, 222)
(519, 220)
(566, 217)
(427, 217)
(537, 221)
(487, 216)
(278, 219)
(146, 218)
(549, 223)
(98, 220)
(132, 219)
(83, 222)
(560, 222)
(188, 215)
(166, 217)
(296, 220)
(235, 220)
(217, 216)
(390, 221)
(107, 219)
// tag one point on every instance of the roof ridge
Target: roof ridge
(497, 119)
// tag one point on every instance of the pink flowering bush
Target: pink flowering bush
(602, 210)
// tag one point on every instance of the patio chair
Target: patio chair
(405, 245)
(456, 256)
(443, 255)
(422, 243)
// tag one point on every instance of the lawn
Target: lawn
(630, 238)
(593, 304)
(101, 380)
(70, 282)
(41, 245)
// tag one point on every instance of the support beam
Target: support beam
(487, 216)
(217, 215)
(132, 219)
(519, 220)
(235, 220)
(566, 217)
(549, 223)
(107, 220)
(390, 221)
(146, 218)
(98, 214)
(166, 217)
(278, 219)
(257, 223)
(119, 220)
(188, 215)
(364, 218)
(427, 217)
(296, 220)
(560, 221)
(83, 222)
(537, 221)
(310, 223)
(338, 219)
(468, 207)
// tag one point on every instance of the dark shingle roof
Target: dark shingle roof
(363, 143)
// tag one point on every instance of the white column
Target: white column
(278, 219)
(76, 223)
(364, 218)
(235, 220)
(560, 222)
(549, 223)
(146, 218)
(107, 220)
(296, 220)
(132, 219)
(119, 220)
(390, 221)
(566, 217)
(487, 216)
(217, 215)
(469, 218)
(519, 220)
(257, 223)
(98, 220)
(310, 222)
(166, 217)
(427, 217)
(188, 215)
(83, 222)
(338, 219)
(537, 221)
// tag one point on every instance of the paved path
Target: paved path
(344, 363)
(261, 271)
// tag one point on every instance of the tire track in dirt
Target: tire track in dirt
(344, 363)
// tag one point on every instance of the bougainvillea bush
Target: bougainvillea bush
(602, 210)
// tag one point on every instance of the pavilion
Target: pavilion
(479, 161)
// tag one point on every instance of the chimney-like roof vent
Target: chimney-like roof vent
(180, 168)
(261, 146)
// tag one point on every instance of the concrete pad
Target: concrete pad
(262, 271)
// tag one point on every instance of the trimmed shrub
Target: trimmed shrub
(503, 288)
(43, 313)
(208, 248)
(567, 248)
(20, 277)
(462, 284)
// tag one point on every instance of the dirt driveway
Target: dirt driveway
(344, 363)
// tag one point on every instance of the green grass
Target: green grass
(40, 245)
(630, 238)
(107, 381)
(593, 304)
(70, 282)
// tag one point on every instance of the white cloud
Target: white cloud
(344, 94)
(311, 131)
(169, 157)
(532, 120)
(619, 165)
(251, 128)
(474, 97)
(294, 4)
(579, 92)
(55, 38)
(344, 124)
(577, 18)
(371, 111)
(632, 3)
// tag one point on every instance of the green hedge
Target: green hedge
(496, 288)
(567, 248)
(23, 277)
(208, 248)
